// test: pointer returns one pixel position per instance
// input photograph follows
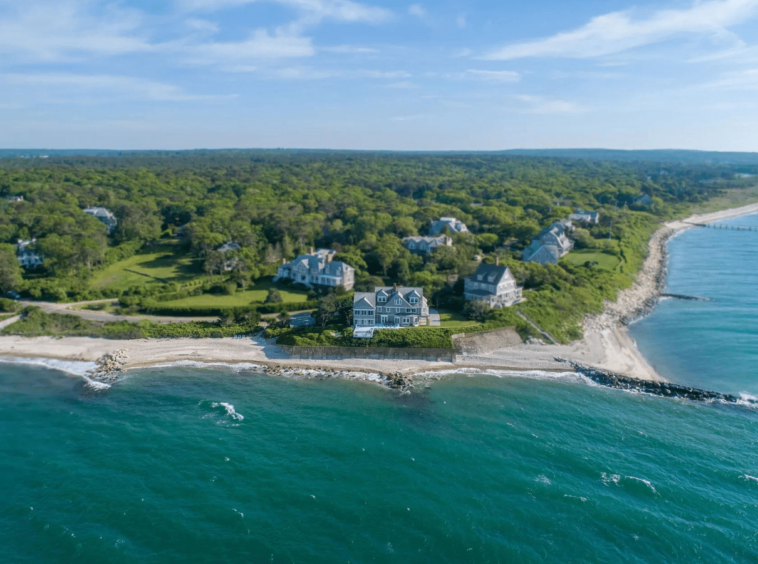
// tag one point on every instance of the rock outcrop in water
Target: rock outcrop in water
(664, 389)
(110, 366)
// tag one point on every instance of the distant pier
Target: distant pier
(721, 226)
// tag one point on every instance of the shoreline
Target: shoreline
(607, 344)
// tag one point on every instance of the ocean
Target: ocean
(708, 344)
(204, 465)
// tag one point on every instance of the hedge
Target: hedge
(156, 308)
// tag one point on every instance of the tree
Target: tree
(283, 319)
(478, 311)
(214, 261)
(327, 307)
(10, 270)
(274, 297)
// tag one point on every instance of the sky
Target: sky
(390, 75)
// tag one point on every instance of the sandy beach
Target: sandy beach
(607, 344)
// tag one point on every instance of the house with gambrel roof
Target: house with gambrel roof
(390, 307)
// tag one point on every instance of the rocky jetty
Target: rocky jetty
(664, 389)
(110, 366)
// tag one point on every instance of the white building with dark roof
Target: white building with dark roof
(585, 216)
(493, 285)
(318, 269)
(27, 256)
(390, 307)
(105, 216)
(426, 245)
(450, 223)
(550, 244)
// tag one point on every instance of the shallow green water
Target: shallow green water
(477, 470)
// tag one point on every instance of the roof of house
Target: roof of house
(487, 271)
(369, 298)
(452, 223)
(229, 246)
(98, 211)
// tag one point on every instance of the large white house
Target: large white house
(585, 216)
(550, 244)
(390, 307)
(493, 285)
(426, 245)
(451, 223)
(318, 269)
(106, 217)
(27, 256)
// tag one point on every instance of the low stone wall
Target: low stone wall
(326, 353)
(486, 342)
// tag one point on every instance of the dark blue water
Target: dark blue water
(711, 345)
(472, 470)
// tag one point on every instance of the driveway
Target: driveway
(434, 318)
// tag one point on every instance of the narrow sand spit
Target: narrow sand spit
(606, 345)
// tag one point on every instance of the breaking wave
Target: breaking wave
(79, 368)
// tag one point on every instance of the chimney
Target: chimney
(497, 261)
(284, 261)
(310, 250)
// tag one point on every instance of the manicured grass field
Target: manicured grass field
(603, 260)
(256, 293)
(162, 264)
(453, 320)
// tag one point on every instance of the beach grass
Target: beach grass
(732, 198)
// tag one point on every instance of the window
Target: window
(480, 276)
(414, 300)
(382, 299)
(397, 301)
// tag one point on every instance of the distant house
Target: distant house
(390, 307)
(450, 223)
(426, 245)
(27, 256)
(585, 216)
(13, 198)
(106, 217)
(550, 244)
(493, 285)
(318, 269)
(230, 263)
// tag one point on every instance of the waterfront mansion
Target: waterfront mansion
(390, 307)
(318, 269)
(493, 285)
(550, 244)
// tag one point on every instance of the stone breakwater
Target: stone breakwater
(641, 298)
(110, 366)
(665, 389)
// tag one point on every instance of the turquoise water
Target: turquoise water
(471, 470)
(711, 345)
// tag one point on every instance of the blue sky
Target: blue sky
(345, 74)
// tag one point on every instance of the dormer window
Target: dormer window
(398, 301)
(480, 276)
(382, 299)
(491, 279)
(414, 300)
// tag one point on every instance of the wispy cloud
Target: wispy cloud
(198, 24)
(417, 10)
(260, 45)
(120, 86)
(619, 31)
(349, 49)
(741, 80)
(500, 76)
(39, 31)
(541, 105)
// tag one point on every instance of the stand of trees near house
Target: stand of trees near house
(177, 210)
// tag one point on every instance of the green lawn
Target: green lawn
(603, 260)
(162, 264)
(454, 320)
(256, 293)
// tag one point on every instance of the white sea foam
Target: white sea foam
(543, 479)
(748, 397)
(608, 479)
(79, 368)
(530, 374)
(229, 410)
(642, 480)
(748, 478)
(236, 367)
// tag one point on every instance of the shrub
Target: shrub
(9, 306)
(230, 288)
(274, 297)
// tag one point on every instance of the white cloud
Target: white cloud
(260, 45)
(619, 31)
(309, 73)
(742, 80)
(61, 84)
(198, 24)
(40, 31)
(540, 105)
(340, 10)
(417, 10)
(500, 76)
(349, 49)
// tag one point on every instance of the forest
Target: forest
(174, 211)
